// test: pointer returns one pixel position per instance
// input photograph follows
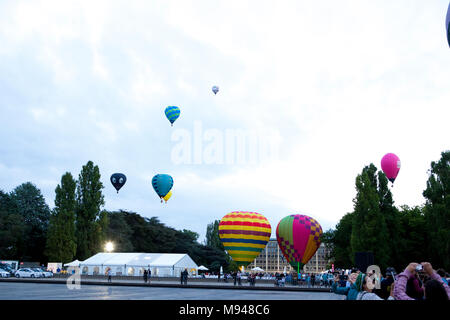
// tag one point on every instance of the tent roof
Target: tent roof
(257, 269)
(135, 259)
(74, 263)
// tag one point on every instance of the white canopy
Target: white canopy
(257, 269)
(137, 259)
(75, 263)
(202, 268)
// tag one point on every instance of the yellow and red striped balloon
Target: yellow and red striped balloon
(244, 235)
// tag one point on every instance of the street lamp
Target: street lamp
(109, 246)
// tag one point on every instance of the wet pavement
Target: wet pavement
(49, 291)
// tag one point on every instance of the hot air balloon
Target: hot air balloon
(447, 24)
(172, 113)
(215, 89)
(162, 183)
(298, 237)
(167, 196)
(390, 164)
(118, 180)
(244, 235)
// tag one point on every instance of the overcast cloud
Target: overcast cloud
(335, 84)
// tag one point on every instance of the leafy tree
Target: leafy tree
(12, 228)
(132, 232)
(119, 232)
(437, 211)
(61, 240)
(31, 206)
(89, 202)
(413, 237)
(341, 249)
(369, 230)
(392, 217)
(212, 235)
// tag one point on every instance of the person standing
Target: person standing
(181, 277)
(145, 276)
(385, 285)
(184, 276)
(351, 292)
(409, 272)
(109, 275)
(149, 273)
(365, 285)
(238, 276)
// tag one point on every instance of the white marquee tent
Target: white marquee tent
(75, 263)
(134, 264)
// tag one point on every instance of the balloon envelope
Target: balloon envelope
(162, 183)
(244, 235)
(172, 113)
(298, 237)
(390, 164)
(118, 180)
(215, 89)
(447, 24)
(167, 196)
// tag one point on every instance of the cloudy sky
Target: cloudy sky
(331, 85)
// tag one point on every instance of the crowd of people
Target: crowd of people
(419, 281)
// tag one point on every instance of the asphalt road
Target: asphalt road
(47, 291)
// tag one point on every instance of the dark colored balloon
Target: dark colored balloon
(447, 24)
(118, 180)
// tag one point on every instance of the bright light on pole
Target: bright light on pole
(109, 246)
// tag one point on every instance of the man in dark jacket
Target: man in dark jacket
(184, 276)
(145, 276)
(386, 283)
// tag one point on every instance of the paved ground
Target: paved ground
(47, 291)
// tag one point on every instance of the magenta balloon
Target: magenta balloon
(390, 164)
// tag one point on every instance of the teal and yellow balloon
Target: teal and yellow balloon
(172, 113)
(167, 196)
(162, 183)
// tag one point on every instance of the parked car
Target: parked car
(39, 271)
(27, 273)
(4, 273)
(46, 273)
(5, 267)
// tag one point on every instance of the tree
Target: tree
(413, 237)
(35, 213)
(89, 202)
(61, 240)
(119, 232)
(12, 228)
(437, 211)
(392, 217)
(212, 235)
(369, 230)
(341, 249)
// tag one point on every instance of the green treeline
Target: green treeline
(78, 227)
(396, 236)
